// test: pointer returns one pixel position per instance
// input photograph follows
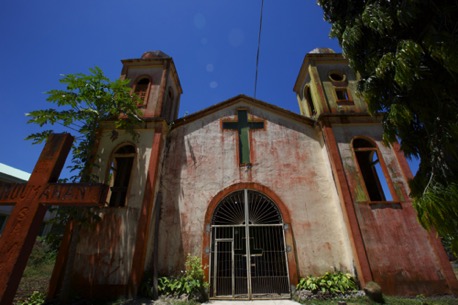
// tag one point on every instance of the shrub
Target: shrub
(41, 253)
(329, 283)
(37, 298)
(191, 282)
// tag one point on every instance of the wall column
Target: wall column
(346, 201)
(144, 221)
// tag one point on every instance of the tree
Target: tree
(81, 107)
(87, 101)
(406, 52)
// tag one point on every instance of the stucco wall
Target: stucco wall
(287, 157)
(344, 134)
(105, 247)
(403, 257)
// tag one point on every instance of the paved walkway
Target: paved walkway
(216, 302)
(254, 302)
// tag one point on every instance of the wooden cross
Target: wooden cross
(243, 126)
(31, 201)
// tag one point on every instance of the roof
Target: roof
(317, 56)
(322, 51)
(11, 174)
(237, 99)
(154, 54)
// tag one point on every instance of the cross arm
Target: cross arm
(61, 194)
(70, 194)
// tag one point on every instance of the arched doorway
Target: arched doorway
(248, 256)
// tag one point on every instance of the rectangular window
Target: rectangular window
(343, 97)
(119, 175)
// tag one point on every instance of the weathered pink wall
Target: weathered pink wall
(104, 248)
(288, 157)
(404, 258)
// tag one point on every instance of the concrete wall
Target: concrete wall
(287, 157)
(105, 248)
(404, 258)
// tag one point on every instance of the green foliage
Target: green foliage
(37, 298)
(191, 282)
(420, 300)
(406, 54)
(41, 254)
(438, 208)
(86, 102)
(329, 283)
(37, 271)
(169, 301)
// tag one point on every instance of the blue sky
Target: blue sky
(213, 44)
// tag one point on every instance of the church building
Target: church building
(262, 195)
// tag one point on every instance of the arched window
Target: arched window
(141, 89)
(372, 170)
(119, 175)
(309, 100)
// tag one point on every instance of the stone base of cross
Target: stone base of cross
(30, 202)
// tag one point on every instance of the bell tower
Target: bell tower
(372, 182)
(155, 80)
(327, 85)
(112, 259)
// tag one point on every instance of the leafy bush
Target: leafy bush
(37, 271)
(191, 282)
(329, 283)
(42, 253)
(37, 298)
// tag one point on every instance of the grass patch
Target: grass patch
(37, 273)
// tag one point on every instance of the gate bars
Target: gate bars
(248, 254)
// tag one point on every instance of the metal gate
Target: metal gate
(248, 255)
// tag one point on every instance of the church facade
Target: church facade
(262, 195)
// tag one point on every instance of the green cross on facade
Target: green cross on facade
(243, 127)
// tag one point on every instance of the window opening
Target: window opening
(167, 107)
(371, 170)
(141, 89)
(343, 97)
(342, 94)
(309, 100)
(119, 175)
(337, 76)
(378, 168)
